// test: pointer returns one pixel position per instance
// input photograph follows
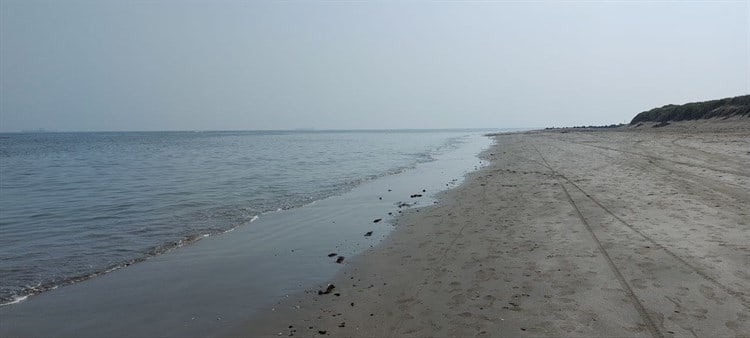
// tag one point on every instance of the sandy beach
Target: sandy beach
(576, 232)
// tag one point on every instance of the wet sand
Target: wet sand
(628, 232)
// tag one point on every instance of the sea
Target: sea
(74, 206)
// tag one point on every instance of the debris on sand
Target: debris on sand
(368, 234)
(328, 290)
(403, 204)
(340, 259)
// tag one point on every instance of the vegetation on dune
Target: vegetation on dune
(732, 106)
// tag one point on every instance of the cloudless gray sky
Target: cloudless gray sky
(217, 65)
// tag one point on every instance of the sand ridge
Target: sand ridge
(628, 232)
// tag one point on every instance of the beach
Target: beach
(374, 168)
(567, 232)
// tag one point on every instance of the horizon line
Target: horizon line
(53, 131)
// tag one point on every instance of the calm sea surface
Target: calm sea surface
(74, 205)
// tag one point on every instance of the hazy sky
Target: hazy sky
(216, 65)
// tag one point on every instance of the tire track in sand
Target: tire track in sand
(657, 158)
(739, 296)
(653, 329)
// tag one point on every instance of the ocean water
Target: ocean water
(75, 205)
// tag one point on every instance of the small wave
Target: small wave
(15, 300)
(39, 288)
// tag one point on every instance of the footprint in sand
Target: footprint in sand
(485, 275)
(638, 283)
(709, 293)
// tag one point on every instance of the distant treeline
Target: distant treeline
(732, 106)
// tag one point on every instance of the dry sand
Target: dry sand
(629, 232)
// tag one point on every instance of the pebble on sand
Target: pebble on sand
(328, 290)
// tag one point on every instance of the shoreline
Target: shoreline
(212, 286)
(567, 232)
(135, 224)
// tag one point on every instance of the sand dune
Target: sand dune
(628, 232)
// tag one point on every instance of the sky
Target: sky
(109, 65)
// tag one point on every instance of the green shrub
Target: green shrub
(732, 106)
